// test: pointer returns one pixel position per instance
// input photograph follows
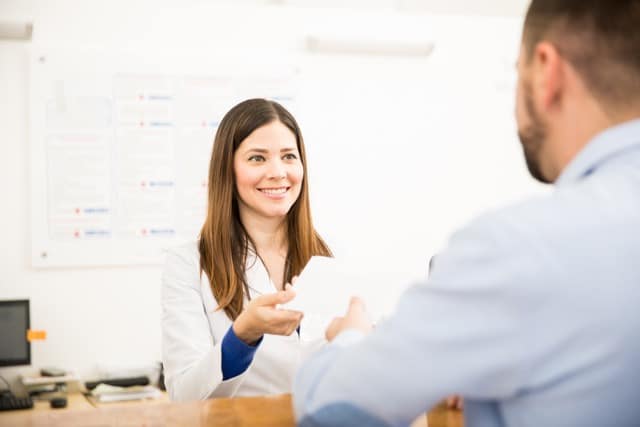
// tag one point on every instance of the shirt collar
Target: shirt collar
(606, 144)
(257, 275)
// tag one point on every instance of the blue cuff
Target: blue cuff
(236, 354)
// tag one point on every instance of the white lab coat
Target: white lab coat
(192, 331)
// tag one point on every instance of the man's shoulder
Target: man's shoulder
(536, 214)
(592, 213)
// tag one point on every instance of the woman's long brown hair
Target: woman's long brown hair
(224, 241)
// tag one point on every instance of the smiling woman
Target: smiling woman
(268, 172)
(222, 333)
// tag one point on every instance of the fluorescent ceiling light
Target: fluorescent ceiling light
(319, 44)
(15, 30)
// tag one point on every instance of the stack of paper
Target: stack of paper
(29, 381)
(109, 393)
(43, 386)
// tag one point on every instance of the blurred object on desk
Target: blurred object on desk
(9, 402)
(109, 371)
(45, 388)
(38, 380)
(105, 393)
(118, 382)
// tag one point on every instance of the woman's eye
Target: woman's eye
(256, 158)
(290, 156)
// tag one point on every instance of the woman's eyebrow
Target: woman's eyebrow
(265, 151)
(257, 150)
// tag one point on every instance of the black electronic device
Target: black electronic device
(52, 372)
(120, 382)
(58, 402)
(15, 349)
(161, 385)
(9, 402)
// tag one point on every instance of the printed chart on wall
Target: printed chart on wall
(120, 151)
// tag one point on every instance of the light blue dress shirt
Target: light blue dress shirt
(532, 313)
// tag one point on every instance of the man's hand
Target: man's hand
(454, 402)
(356, 318)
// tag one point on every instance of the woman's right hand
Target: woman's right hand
(262, 317)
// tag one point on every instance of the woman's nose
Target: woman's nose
(277, 171)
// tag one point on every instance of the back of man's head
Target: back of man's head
(601, 40)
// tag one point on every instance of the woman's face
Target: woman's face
(268, 172)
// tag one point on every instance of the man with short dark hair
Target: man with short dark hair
(532, 312)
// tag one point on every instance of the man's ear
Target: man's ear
(547, 76)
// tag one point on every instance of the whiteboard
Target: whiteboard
(402, 150)
(120, 154)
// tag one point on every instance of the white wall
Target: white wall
(90, 315)
(97, 316)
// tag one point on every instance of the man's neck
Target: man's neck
(584, 127)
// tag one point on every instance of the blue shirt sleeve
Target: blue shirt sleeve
(236, 354)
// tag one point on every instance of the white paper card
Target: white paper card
(323, 290)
